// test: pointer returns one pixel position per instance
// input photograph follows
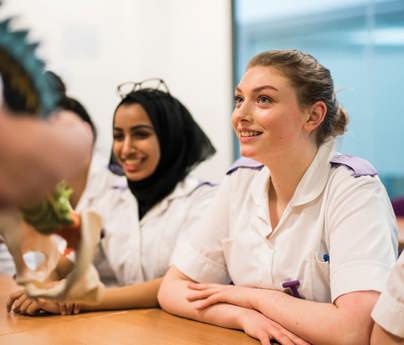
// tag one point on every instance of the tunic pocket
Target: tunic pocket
(319, 267)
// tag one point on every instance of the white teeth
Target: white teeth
(131, 161)
(249, 133)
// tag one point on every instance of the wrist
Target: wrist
(239, 317)
(254, 298)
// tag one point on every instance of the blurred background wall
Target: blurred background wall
(362, 43)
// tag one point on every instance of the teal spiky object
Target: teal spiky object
(25, 87)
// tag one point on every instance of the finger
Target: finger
(49, 306)
(69, 308)
(193, 296)
(264, 338)
(24, 306)
(293, 337)
(62, 308)
(14, 296)
(18, 302)
(33, 309)
(204, 303)
(76, 308)
(279, 336)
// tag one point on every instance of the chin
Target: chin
(135, 176)
(247, 152)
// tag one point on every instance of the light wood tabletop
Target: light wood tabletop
(140, 327)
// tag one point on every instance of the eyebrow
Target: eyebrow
(135, 127)
(257, 89)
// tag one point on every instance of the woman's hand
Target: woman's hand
(205, 295)
(260, 327)
(20, 303)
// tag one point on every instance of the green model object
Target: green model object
(49, 215)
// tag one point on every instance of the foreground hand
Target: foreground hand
(205, 295)
(20, 303)
(260, 327)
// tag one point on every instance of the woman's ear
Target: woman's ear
(315, 116)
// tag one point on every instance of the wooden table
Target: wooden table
(140, 327)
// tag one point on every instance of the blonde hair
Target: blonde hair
(312, 81)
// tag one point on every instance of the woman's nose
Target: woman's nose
(127, 147)
(243, 112)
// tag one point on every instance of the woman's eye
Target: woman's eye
(238, 100)
(264, 99)
(117, 136)
(141, 135)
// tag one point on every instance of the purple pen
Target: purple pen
(293, 286)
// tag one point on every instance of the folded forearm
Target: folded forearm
(172, 298)
(315, 321)
(143, 295)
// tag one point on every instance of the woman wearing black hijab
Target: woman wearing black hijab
(182, 144)
(156, 144)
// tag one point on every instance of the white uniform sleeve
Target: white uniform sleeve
(362, 234)
(389, 309)
(198, 253)
(197, 204)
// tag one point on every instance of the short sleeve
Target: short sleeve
(389, 309)
(198, 253)
(362, 234)
(197, 204)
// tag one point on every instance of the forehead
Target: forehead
(129, 115)
(258, 76)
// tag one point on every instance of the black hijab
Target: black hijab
(183, 146)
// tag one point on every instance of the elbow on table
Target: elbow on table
(355, 334)
(165, 296)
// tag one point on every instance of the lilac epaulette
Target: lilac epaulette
(244, 163)
(359, 166)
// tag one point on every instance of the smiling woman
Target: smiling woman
(156, 143)
(281, 249)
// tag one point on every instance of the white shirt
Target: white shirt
(7, 265)
(133, 251)
(332, 213)
(389, 309)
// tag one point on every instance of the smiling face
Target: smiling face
(135, 143)
(267, 117)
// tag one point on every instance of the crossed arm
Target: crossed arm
(347, 321)
(175, 297)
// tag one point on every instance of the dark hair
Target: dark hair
(69, 103)
(312, 81)
(183, 145)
